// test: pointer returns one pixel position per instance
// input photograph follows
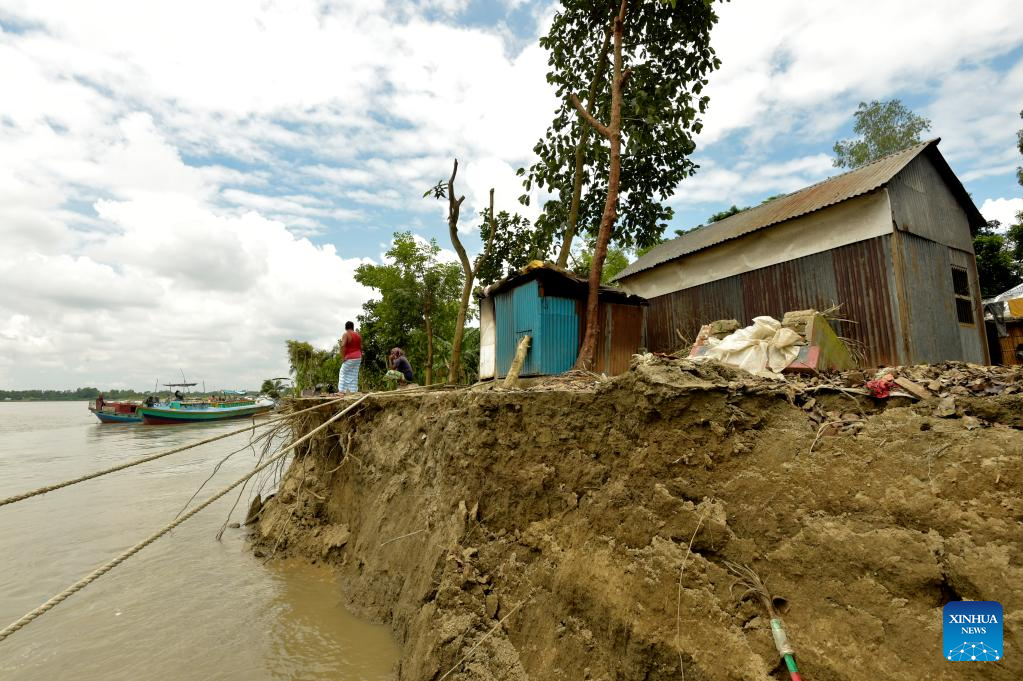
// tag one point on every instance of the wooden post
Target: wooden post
(516, 366)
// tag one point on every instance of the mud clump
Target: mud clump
(542, 533)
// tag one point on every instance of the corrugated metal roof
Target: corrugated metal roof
(834, 190)
(566, 282)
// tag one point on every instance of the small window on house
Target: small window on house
(964, 311)
(964, 301)
(961, 281)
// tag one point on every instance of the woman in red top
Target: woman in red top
(351, 352)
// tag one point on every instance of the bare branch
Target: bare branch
(451, 182)
(454, 207)
(485, 255)
(588, 117)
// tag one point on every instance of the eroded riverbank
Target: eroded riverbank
(572, 508)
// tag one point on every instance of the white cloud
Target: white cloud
(161, 161)
(170, 281)
(792, 66)
(751, 182)
(127, 240)
(1003, 210)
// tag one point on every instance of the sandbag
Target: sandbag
(764, 349)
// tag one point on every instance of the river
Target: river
(187, 607)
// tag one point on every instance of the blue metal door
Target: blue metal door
(527, 318)
(558, 343)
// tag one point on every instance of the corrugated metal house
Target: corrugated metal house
(890, 241)
(549, 305)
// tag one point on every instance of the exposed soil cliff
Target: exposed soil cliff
(570, 510)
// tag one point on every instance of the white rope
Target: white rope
(103, 569)
(151, 457)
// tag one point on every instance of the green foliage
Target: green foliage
(1019, 170)
(53, 395)
(640, 252)
(999, 262)
(616, 261)
(729, 212)
(312, 366)
(883, 128)
(69, 395)
(272, 387)
(470, 367)
(726, 213)
(1014, 239)
(516, 244)
(413, 286)
(667, 57)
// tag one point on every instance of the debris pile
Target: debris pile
(960, 378)
(802, 342)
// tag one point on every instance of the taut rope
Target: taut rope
(103, 569)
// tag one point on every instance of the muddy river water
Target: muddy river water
(187, 607)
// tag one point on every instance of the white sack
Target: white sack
(764, 349)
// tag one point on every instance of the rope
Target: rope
(151, 457)
(103, 569)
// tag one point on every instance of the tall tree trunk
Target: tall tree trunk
(428, 372)
(580, 155)
(454, 207)
(613, 133)
(456, 344)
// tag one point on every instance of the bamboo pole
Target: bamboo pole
(516, 366)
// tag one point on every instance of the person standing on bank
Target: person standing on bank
(351, 354)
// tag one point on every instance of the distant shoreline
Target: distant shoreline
(45, 399)
(81, 395)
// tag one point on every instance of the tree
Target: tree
(616, 261)
(883, 128)
(582, 132)
(418, 304)
(726, 213)
(272, 387)
(999, 265)
(469, 270)
(659, 113)
(516, 244)
(312, 366)
(650, 100)
(1019, 170)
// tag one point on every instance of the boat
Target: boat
(203, 411)
(117, 412)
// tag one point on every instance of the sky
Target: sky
(185, 185)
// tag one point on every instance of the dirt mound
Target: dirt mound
(568, 514)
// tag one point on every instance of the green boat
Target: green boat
(202, 411)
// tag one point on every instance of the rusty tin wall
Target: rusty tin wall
(858, 275)
(935, 331)
(621, 334)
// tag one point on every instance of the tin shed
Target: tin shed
(549, 305)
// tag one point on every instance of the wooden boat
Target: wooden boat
(117, 412)
(202, 411)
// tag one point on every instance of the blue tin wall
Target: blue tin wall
(558, 341)
(552, 322)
